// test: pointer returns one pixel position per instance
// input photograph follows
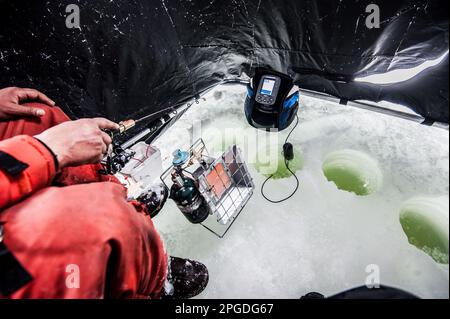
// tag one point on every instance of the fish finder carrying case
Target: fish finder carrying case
(282, 113)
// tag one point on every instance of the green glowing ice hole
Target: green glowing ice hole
(426, 226)
(353, 171)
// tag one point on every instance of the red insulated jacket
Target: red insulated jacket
(39, 174)
(85, 227)
(16, 140)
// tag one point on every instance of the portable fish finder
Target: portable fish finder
(268, 90)
(270, 103)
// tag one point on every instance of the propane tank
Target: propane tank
(185, 194)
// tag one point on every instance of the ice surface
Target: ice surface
(323, 239)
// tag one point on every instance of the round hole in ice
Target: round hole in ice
(353, 171)
(425, 222)
(270, 161)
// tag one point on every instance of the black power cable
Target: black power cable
(288, 154)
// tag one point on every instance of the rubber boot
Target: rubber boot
(186, 279)
(313, 295)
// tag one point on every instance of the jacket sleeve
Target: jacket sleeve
(26, 166)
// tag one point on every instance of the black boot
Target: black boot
(186, 279)
(313, 295)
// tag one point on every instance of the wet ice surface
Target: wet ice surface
(323, 239)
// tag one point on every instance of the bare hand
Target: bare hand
(79, 142)
(10, 99)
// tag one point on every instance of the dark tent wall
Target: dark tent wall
(132, 58)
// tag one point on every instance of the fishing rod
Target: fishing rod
(120, 154)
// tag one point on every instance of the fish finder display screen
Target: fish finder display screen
(267, 87)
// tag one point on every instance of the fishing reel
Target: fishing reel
(117, 157)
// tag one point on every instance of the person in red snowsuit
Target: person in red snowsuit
(71, 228)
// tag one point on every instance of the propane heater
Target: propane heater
(209, 191)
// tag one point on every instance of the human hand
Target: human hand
(10, 99)
(79, 142)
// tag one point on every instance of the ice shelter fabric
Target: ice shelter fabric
(130, 58)
(83, 226)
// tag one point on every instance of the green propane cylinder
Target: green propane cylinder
(186, 195)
